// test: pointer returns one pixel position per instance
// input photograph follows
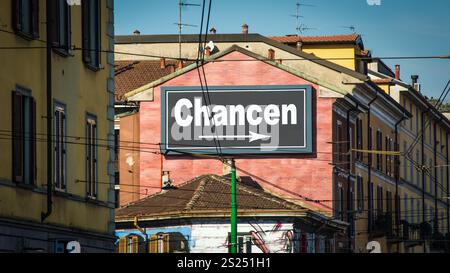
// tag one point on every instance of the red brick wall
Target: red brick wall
(295, 176)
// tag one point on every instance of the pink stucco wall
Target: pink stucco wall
(294, 176)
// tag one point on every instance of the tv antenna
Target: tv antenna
(300, 27)
(351, 27)
(181, 5)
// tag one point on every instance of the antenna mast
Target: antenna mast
(300, 27)
(180, 24)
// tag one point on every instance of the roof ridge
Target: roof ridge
(260, 193)
(161, 192)
(197, 194)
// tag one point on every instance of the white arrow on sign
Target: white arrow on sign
(253, 137)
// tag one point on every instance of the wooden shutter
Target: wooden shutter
(153, 244)
(135, 244)
(17, 137)
(123, 245)
(16, 14)
(85, 4)
(166, 242)
(35, 22)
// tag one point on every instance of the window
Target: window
(359, 139)
(389, 158)
(405, 165)
(244, 243)
(60, 148)
(406, 209)
(339, 141)
(360, 194)
(26, 18)
(430, 175)
(380, 199)
(417, 177)
(61, 27)
(410, 120)
(341, 203)
(418, 213)
(389, 202)
(417, 119)
(379, 148)
(91, 157)
(371, 205)
(430, 131)
(24, 137)
(370, 144)
(91, 33)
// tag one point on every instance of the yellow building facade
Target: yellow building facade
(404, 199)
(79, 204)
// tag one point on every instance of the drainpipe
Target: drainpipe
(45, 215)
(369, 161)
(397, 180)
(136, 225)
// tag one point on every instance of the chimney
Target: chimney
(244, 29)
(165, 180)
(299, 45)
(180, 64)
(137, 32)
(415, 82)
(212, 31)
(414, 79)
(397, 72)
(162, 62)
(207, 51)
(271, 54)
(226, 167)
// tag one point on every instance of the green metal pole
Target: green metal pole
(233, 239)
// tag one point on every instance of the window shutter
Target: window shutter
(16, 14)
(17, 139)
(153, 244)
(123, 245)
(35, 22)
(135, 242)
(86, 30)
(63, 152)
(52, 18)
(33, 164)
(166, 241)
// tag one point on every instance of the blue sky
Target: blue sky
(394, 28)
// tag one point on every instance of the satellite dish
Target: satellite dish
(374, 247)
(211, 45)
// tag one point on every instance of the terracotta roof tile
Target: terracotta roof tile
(206, 193)
(345, 38)
(130, 75)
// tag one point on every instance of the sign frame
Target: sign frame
(309, 130)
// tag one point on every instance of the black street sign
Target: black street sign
(236, 120)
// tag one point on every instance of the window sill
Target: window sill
(63, 53)
(92, 67)
(26, 186)
(26, 36)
